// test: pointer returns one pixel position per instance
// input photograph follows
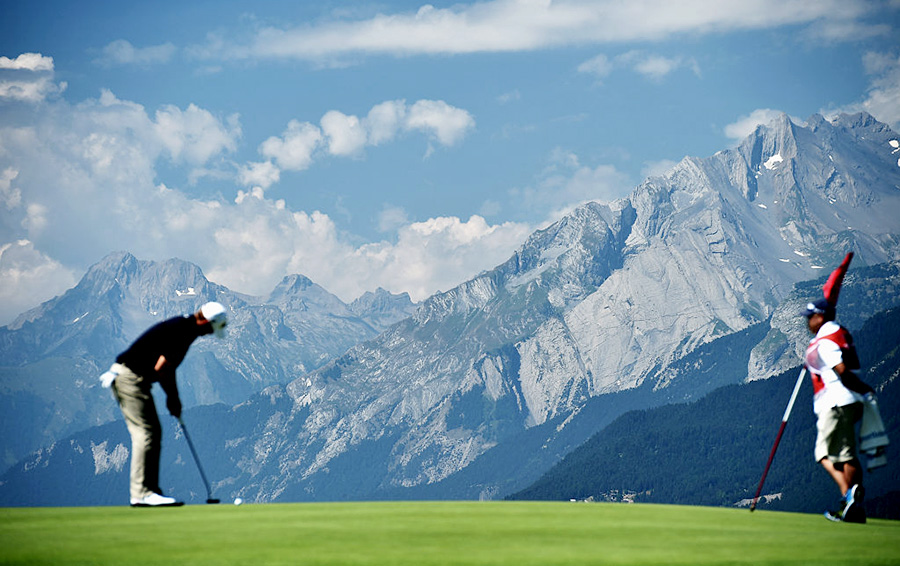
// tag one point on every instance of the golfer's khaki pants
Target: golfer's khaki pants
(136, 402)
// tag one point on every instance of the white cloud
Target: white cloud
(599, 66)
(657, 66)
(35, 218)
(745, 125)
(391, 218)
(384, 120)
(346, 135)
(522, 25)
(28, 279)
(294, 149)
(10, 196)
(837, 29)
(122, 52)
(28, 62)
(260, 174)
(444, 122)
(430, 255)
(28, 91)
(195, 135)
(28, 78)
(652, 66)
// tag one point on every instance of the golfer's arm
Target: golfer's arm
(166, 377)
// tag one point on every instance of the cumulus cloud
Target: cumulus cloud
(28, 78)
(346, 135)
(429, 256)
(446, 123)
(121, 52)
(343, 135)
(195, 135)
(384, 121)
(522, 25)
(27, 62)
(293, 150)
(262, 174)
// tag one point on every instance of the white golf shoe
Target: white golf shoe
(155, 500)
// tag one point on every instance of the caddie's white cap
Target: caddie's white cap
(216, 314)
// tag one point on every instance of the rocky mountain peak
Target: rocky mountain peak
(382, 308)
(299, 293)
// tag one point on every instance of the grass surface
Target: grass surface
(420, 533)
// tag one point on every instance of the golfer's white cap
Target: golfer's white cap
(216, 314)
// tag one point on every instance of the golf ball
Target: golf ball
(238, 500)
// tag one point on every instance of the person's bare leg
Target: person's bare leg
(837, 474)
(852, 473)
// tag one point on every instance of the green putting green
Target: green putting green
(424, 533)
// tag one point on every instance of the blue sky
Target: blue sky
(392, 144)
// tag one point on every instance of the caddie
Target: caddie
(838, 397)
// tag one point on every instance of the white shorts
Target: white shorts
(836, 438)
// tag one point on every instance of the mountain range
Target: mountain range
(478, 390)
(52, 355)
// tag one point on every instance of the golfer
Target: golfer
(838, 403)
(152, 358)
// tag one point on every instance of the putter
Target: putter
(209, 497)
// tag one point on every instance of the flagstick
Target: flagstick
(784, 420)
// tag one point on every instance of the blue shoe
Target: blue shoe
(832, 516)
(855, 509)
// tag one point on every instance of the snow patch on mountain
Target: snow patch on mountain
(773, 161)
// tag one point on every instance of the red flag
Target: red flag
(832, 287)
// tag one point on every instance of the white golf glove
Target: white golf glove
(106, 380)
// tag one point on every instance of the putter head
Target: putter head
(211, 501)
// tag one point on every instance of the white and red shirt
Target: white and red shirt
(824, 352)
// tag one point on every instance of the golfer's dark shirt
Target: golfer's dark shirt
(170, 338)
